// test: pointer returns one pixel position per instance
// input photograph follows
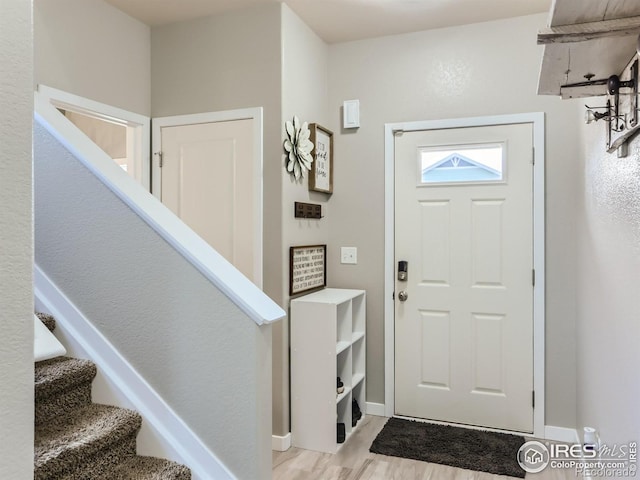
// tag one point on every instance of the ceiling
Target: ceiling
(345, 20)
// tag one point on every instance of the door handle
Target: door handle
(402, 296)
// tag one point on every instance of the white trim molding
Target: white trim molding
(536, 119)
(377, 409)
(281, 444)
(171, 435)
(254, 114)
(213, 266)
(140, 125)
(561, 434)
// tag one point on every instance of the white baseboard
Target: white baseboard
(281, 444)
(376, 409)
(167, 431)
(561, 434)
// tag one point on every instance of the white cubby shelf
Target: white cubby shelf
(328, 340)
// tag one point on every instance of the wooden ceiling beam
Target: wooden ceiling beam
(580, 32)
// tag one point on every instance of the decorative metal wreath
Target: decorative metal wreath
(298, 148)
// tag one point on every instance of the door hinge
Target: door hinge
(393, 296)
(533, 155)
(533, 398)
(533, 277)
(159, 154)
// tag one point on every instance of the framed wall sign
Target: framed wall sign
(321, 175)
(307, 268)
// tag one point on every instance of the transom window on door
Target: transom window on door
(451, 164)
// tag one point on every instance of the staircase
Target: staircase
(76, 439)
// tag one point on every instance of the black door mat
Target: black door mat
(478, 450)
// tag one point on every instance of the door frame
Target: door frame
(254, 114)
(536, 119)
(140, 124)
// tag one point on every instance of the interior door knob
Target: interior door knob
(402, 296)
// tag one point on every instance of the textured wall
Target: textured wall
(91, 49)
(16, 240)
(608, 293)
(226, 62)
(205, 357)
(474, 70)
(304, 93)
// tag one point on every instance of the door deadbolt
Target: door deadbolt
(403, 267)
(402, 296)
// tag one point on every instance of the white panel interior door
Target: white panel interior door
(464, 335)
(207, 181)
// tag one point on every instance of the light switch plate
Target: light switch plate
(351, 114)
(349, 255)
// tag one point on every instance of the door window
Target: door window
(451, 164)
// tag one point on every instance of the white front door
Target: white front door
(463, 224)
(208, 180)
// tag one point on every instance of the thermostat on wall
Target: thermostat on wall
(351, 114)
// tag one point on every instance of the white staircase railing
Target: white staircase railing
(190, 325)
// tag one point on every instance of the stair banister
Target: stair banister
(210, 263)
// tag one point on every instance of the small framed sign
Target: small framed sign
(321, 174)
(307, 268)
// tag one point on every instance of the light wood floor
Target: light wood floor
(355, 462)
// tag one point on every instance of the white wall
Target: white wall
(305, 91)
(220, 62)
(207, 359)
(277, 62)
(16, 241)
(227, 62)
(608, 287)
(474, 70)
(91, 49)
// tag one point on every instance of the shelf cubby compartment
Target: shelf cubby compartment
(341, 396)
(359, 318)
(358, 354)
(355, 336)
(358, 393)
(328, 338)
(344, 322)
(341, 347)
(357, 379)
(345, 367)
(344, 416)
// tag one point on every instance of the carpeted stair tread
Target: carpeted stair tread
(97, 467)
(62, 384)
(76, 439)
(64, 443)
(60, 374)
(48, 320)
(150, 468)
